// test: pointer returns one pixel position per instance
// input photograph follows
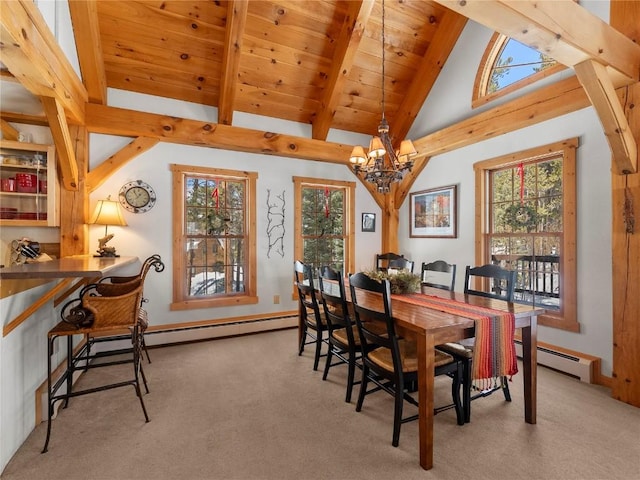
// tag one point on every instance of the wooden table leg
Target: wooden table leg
(425, 398)
(530, 365)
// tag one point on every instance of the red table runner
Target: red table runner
(494, 354)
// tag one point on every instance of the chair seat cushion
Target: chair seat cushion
(341, 336)
(408, 353)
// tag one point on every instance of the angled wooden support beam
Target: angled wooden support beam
(598, 86)
(562, 29)
(348, 42)
(8, 132)
(31, 52)
(409, 179)
(236, 19)
(86, 31)
(102, 172)
(62, 140)
(378, 197)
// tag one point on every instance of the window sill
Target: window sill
(230, 301)
(558, 321)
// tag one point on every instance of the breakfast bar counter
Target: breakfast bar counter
(85, 267)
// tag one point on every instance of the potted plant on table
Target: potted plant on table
(402, 281)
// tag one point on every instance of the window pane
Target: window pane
(323, 226)
(515, 62)
(526, 203)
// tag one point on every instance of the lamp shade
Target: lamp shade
(376, 149)
(107, 212)
(357, 155)
(407, 149)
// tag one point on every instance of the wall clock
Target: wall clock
(137, 196)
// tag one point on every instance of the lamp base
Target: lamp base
(105, 256)
(105, 251)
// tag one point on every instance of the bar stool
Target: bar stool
(100, 309)
(154, 261)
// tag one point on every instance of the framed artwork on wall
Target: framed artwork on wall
(368, 222)
(433, 213)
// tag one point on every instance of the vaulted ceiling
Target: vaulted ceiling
(317, 62)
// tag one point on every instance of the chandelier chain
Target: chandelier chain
(383, 165)
(383, 58)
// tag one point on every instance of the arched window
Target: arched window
(508, 65)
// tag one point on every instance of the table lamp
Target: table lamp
(107, 213)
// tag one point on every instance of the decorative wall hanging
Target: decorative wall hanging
(368, 222)
(433, 213)
(275, 223)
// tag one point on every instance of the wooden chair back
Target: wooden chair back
(334, 301)
(439, 274)
(500, 282)
(401, 264)
(374, 319)
(383, 259)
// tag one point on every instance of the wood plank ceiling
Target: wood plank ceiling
(316, 62)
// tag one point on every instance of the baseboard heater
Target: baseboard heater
(572, 363)
(159, 335)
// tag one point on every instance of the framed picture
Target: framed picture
(368, 222)
(434, 213)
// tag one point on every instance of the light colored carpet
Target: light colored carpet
(251, 408)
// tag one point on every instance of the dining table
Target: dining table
(430, 327)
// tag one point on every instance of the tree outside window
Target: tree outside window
(324, 216)
(528, 225)
(508, 65)
(212, 261)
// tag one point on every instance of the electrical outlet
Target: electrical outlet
(276, 299)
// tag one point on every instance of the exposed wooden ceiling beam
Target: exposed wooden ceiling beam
(102, 172)
(236, 19)
(86, 31)
(347, 45)
(451, 25)
(7, 76)
(543, 104)
(557, 99)
(8, 132)
(593, 77)
(24, 118)
(130, 123)
(561, 29)
(65, 152)
(31, 53)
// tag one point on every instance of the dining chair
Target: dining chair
(439, 274)
(401, 264)
(501, 284)
(383, 259)
(344, 340)
(390, 362)
(106, 308)
(313, 324)
(153, 261)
